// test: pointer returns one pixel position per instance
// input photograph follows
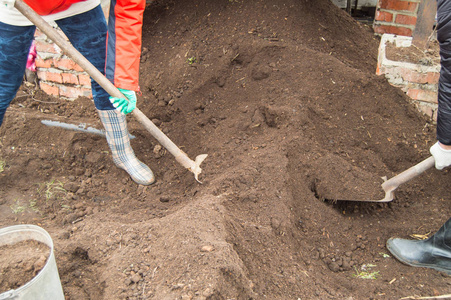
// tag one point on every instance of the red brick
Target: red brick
(70, 92)
(412, 76)
(49, 89)
(87, 92)
(415, 76)
(42, 46)
(433, 77)
(38, 33)
(381, 29)
(406, 20)
(66, 64)
(50, 76)
(84, 79)
(426, 110)
(74, 92)
(70, 78)
(40, 63)
(423, 95)
(384, 16)
(398, 5)
(413, 93)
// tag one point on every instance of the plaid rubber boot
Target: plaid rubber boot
(119, 141)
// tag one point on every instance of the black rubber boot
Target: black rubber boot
(435, 252)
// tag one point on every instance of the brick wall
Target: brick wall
(396, 17)
(419, 82)
(395, 21)
(58, 75)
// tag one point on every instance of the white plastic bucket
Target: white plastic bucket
(46, 284)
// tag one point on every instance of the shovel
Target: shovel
(69, 50)
(389, 186)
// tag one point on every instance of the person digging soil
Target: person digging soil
(435, 252)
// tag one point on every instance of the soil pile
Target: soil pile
(279, 94)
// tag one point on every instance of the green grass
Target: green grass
(32, 205)
(2, 165)
(17, 208)
(365, 272)
(52, 189)
(191, 60)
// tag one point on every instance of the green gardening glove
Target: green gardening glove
(125, 106)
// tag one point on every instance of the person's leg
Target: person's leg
(119, 141)
(444, 86)
(87, 33)
(15, 42)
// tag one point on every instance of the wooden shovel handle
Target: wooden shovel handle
(408, 174)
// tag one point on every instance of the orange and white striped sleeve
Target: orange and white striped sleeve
(124, 43)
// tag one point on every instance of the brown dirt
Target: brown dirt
(21, 262)
(269, 90)
(413, 54)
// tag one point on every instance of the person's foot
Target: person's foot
(119, 141)
(434, 253)
(419, 254)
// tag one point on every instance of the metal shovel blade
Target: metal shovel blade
(390, 185)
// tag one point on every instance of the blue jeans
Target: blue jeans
(87, 33)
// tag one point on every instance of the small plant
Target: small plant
(365, 272)
(17, 207)
(191, 60)
(384, 255)
(52, 189)
(2, 165)
(32, 205)
(66, 207)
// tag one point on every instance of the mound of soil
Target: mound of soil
(279, 94)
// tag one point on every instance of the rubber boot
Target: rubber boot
(118, 139)
(434, 252)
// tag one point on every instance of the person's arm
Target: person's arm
(124, 43)
(124, 50)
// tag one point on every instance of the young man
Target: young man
(114, 50)
(435, 252)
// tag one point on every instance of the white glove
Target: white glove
(442, 157)
(9, 4)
